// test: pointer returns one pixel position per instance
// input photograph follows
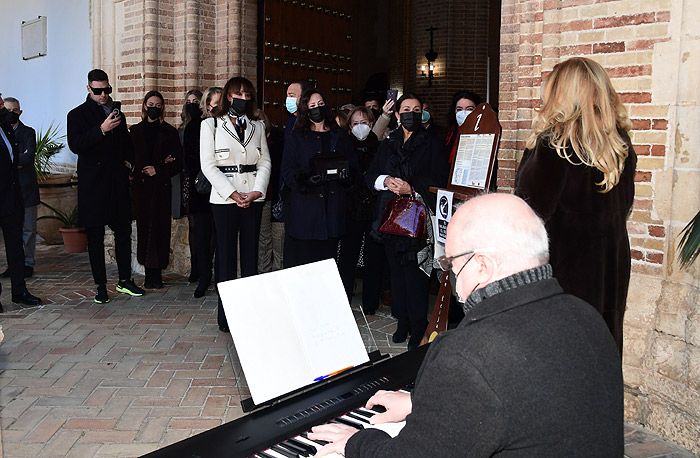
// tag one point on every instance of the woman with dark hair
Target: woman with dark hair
(198, 206)
(235, 159)
(157, 159)
(318, 164)
(409, 161)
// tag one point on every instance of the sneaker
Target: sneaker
(101, 297)
(128, 287)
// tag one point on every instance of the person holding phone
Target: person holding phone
(157, 159)
(97, 133)
(382, 112)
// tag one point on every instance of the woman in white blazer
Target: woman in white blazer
(235, 159)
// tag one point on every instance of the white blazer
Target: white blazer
(224, 148)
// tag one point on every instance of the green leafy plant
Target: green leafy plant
(689, 243)
(48, 144)
(68, 219)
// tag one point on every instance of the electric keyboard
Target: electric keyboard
(280, 430)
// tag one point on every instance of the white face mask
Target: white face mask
(461, 116)
(361, 131)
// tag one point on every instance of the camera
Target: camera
(116, 109)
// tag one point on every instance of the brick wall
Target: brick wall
(461, 42)
(644, 45)
(177, 45)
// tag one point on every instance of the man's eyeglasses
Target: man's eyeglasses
(99, 90)
(445, 262)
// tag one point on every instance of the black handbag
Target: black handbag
(201, 182)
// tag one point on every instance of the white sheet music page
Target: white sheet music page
(291, 328)
(472, 161)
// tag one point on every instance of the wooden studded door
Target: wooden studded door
(304, 40)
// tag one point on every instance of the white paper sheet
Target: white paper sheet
(291, 327)
(472, 161)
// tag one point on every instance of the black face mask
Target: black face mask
(193, 110)
(318, 114)
(4, 115)
(153, 112)
(13, 118)
(239, 107)
(411, 120)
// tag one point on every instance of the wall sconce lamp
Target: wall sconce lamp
(431, 56)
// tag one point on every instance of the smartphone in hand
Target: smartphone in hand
(392, 94)
(117, 108)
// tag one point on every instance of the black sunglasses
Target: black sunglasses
(100, 90)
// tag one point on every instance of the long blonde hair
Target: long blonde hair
(582, 110)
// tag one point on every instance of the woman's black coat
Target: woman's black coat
(420, 161)
(103, 166)
(316, 211)
(588, 243)
(152, 201)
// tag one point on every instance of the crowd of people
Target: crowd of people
(259, 197)
(538, 275)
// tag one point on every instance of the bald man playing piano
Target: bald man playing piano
(530, 371)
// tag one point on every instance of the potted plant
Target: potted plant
(74, 237)
(55, 189)
(689, 244)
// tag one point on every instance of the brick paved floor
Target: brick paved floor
(121, 379)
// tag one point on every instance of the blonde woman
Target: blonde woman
(578, 174)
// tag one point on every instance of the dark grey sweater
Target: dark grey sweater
(530, 372)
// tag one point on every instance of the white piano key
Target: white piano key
(308, 442)
(271, 452)
(392, 429)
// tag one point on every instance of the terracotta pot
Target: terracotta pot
(74, 239)
(57, 191)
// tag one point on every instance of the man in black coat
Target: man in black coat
(529, 372)
(26, 139)
(97, 133)
(12, 210)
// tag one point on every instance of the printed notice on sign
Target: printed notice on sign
(472, 162)
(443, 214)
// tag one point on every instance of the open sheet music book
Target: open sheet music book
(291, 328)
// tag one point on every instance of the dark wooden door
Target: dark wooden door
(304, 40)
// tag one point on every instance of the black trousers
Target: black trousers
(14, 250)
(298, 252)
(409, 294)
(235, 226)
(202, 245)
(373, 256)
(122, 251)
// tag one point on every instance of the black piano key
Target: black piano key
(311, 450)
(364, 413)
(357, 417)
(301, 451)
(318, 441)
(348, 422)
(378, 409)
(283, 451)
(264, 455)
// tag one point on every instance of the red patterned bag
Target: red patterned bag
(405, 216)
